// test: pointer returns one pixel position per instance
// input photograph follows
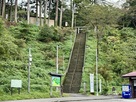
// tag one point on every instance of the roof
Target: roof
(54, 74)
(131, 74)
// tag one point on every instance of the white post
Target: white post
(57, 65)
(84, 87)
(97, 72)
(63, 61)
(100, 85)
(91, 83)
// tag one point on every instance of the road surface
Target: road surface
(80, 99)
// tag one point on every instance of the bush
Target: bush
(46, 34)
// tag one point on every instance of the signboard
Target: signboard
(92, 83)
(134, 82)
(16, 83)
(56, 81)
(125, 88)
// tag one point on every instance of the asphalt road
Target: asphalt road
(107, 100)
(80, 99)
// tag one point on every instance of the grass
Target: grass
(25, 95)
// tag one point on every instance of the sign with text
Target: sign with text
(16, 83)
(134, 82)
(125, 88)
(92, 83)
(56, 81)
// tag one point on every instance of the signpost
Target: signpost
(16, 84)
(92, 83)
(55, 82)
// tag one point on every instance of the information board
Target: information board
(125, 88)
(16, 83)
(56, 81)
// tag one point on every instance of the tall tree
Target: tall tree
(0, 7)
(61, 13)
(129, 17)
(28, 11)
(36, 12)
(56, 16)
(45, 11)
(3, 8)
(40, 11)
(16, 3)
(11, 6)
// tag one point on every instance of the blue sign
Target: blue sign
(126, 91)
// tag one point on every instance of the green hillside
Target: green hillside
(117, 56)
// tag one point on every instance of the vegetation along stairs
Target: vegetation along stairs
(73, 76)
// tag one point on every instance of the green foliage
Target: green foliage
(129, 17)
(99, 15)
(25, 32)
(48, 34)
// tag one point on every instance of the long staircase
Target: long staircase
(73, 76)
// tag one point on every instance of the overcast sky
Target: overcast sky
(116, 3)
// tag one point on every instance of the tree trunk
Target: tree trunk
(0, 7)
(49, 12)
(28, 11)
(10, 16)
(40, 11)
(36, 12)
(56, 17)
(61, 12)
(45, 11)
(16, 2)
(3, 9)
(72, 21)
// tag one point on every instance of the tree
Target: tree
(16, 4)
(45, 11)
(3, 8)
(36, 11)
(28, 11)
(11, 6)
(40, 11)
(56, 14)
(0, 7)
(129, 17)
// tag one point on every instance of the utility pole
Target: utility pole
(97, 72)
(29, 65)
(96, 61)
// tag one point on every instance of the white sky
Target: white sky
(116, 3)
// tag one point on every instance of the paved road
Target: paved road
(80, 99)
